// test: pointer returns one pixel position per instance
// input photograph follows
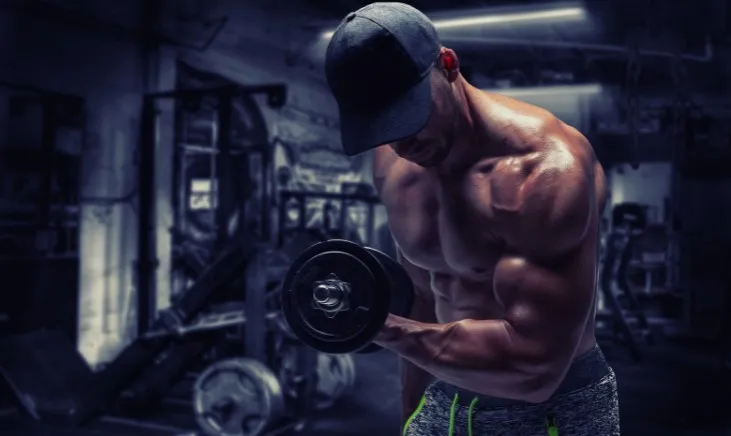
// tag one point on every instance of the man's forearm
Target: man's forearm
(473, 355)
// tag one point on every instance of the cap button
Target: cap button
(350, 16)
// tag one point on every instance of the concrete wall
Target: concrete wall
(94, 53)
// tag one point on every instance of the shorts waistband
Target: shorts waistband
(587, 369)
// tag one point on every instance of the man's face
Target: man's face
(432, 144)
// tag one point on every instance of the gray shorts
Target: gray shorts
(585, 404)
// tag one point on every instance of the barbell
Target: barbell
(337, 294)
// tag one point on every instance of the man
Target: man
(494, 205)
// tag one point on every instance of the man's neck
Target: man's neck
(469, 145)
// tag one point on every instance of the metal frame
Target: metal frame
(147, 260)
(231, 253)
(345, 200)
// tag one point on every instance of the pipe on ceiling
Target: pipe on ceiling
(707, 55)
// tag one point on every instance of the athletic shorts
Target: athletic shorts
(585, 404)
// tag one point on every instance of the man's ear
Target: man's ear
(448, 62)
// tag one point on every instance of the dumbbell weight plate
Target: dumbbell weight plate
(402, 291)
(368, 302)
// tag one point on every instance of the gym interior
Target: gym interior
(163, 162)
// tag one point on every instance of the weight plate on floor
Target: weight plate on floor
(237, 397)
(361, 308)
(335, 377)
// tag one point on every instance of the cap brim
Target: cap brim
(364, 129)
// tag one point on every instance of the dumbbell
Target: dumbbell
(337, 294)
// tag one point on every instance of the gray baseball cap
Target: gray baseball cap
(377, 65)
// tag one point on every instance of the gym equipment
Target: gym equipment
(207, 322)
(627, 325)
(292, 244)
(342, 201)
(335, 376)
(237, 397)
(399, 278)
(230, 265)
(614, 315)
(157, 380)
(654, 248)
(226, 206)
(337, 294)
(79, 401)
(629, 215)
(93, 392)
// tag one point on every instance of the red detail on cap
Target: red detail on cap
(450, 63)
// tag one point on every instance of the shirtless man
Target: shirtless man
(494, 205)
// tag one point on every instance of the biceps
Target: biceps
(544, 309)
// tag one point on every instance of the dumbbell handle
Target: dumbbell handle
(331, 294)
(328, 294)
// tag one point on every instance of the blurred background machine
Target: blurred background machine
(228, 260)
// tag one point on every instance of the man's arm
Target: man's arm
(414, 379)
(541, 209)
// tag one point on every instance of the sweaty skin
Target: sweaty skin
(496, 220)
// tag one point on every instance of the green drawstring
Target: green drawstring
(551, 426)
(413, 415)
(469, 416)
(451, 414)
(550, 420)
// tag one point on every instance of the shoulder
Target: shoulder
(547, 156)
(531, 129)
(543, 198)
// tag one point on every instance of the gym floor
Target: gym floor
(675, 391)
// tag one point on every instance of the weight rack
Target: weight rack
(176, 322)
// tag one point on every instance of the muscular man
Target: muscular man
(494, 205)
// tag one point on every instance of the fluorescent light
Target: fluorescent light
(510, 18)
(587, 89)
(451, 23)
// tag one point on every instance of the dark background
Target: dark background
(113, 205)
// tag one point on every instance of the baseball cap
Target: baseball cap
(377, 65)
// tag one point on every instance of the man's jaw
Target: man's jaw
(430, 158)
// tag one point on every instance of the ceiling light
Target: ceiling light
(584, 89)
(481, 20)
